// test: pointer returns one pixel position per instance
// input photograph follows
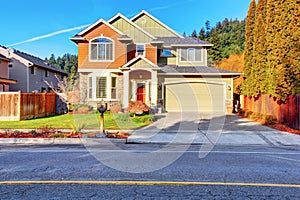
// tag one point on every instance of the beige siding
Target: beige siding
(128, 29)
(153, 27)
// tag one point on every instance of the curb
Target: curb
(58, 141)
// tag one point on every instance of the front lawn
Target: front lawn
(80, 121)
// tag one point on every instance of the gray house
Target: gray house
(31, 72)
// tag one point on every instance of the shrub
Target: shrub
(115, 109)
(138, 108)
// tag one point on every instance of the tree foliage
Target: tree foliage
(248, 85)
(272, 65)
(68, 63)
(228, 38)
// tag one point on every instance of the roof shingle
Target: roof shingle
(172, 41)
(172, 69)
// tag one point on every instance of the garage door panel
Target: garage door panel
(191, 97)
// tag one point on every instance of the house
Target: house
(31, 72)
(142, 59)
(4, 76)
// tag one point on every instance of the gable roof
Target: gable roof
(143, 12)
(136, 59)
(186, 41)
(79, 35)
(2, 57)
(130, 22)
(38, 61)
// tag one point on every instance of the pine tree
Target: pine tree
(248, 86)
(201, 35)
(194, 34)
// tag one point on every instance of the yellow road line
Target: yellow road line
(148, 183)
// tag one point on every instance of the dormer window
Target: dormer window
(101, 49)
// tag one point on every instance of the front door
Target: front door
(141, 92)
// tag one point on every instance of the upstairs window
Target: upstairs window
(166, 53)
(140, 49)
(101, 49)
(190, 55)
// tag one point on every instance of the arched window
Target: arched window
(101, 49)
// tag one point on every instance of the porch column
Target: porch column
(147, 87)
(126, 89)
(154, 87)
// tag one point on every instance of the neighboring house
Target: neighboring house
(31, 72)
(4, 75)
(142, 59)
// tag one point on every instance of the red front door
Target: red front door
(141, 92)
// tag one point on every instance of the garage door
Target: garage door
(195, 97)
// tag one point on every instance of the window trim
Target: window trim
(90, 88)
(187, 55)
(90, 49)
(111, 87)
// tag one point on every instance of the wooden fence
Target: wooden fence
(15, 106)
(286, 113)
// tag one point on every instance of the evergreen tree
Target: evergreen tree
(248, 86)
(201, 35)
(194, 34)
(260, 50)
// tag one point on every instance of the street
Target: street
(74, 172)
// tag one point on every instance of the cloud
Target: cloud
(48, 35)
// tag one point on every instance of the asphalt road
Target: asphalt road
(75, 172)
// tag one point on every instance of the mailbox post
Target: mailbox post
(102, 108)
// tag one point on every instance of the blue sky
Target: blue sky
(42, 27)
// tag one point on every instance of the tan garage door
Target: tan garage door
(195, 97)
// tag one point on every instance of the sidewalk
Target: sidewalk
(188, 129)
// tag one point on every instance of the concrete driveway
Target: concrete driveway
(195, 128)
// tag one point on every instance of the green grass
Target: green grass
(79, 121)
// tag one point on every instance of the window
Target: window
(140, 49)
(190, 55)
(32, 70)
(113, 87)
(166, 53)
(47, 74)
(101, 49)
(90, 88)
(100, 87)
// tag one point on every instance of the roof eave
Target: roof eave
(192, 45)
(202, 74)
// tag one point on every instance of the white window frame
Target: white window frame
(111, 87)
(103, 96)
(194, 55)
(106, 43)
(90, 87)
(136, 49)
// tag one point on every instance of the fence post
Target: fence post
(19, 105)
